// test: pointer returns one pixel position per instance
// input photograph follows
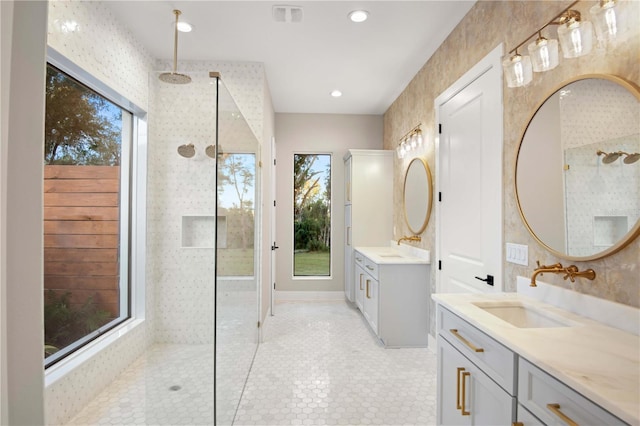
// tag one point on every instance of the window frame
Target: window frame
(132, 220)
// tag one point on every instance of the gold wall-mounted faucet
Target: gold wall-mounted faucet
(415, 238)
(571, 272)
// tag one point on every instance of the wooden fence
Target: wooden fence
(81, 233)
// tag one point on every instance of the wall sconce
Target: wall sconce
(575, 36)
(410, 141)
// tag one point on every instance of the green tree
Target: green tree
(238, 172)
(312, 208)
(81, 127)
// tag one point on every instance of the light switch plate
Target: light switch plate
(518, 253)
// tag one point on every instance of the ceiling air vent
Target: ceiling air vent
(288, 14)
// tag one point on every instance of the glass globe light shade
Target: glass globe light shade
(518, 70)
(414, 142)
(543, 54)
(575, 38)
(609, 20)
(419, 138)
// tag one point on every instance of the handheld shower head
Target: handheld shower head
(210, 151)
(187, 151)
(631, 158)
(610, 157)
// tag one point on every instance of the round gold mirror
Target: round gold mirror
(577, 176)
(417, 195)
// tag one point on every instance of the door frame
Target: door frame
(272, 279)
(491, 61)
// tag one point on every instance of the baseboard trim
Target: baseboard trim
(287, 296)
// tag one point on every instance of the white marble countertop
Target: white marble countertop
(600, 362)
(391, 255)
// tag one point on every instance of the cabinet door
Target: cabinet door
(371, 298)
(466, 395)
(359, 280)
(348, 255)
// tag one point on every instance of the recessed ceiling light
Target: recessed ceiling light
(336, 93)
(358, 15)
(185, 27)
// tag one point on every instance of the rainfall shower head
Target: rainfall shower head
(174, 77)
(610, 157)
(210, 151)
(187, 151)
(631, 158)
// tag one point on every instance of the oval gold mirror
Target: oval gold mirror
(577, 176)
(417, 195)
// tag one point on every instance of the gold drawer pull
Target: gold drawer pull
(517, 424)
(465, 341)
(464, 391)
(369, 268)
(458, 406)
(555, 409)
(368, 281)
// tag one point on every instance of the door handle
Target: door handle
(274, 246)
(488, 280)
(459, 370)
(368, 281)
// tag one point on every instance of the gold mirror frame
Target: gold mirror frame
(429, 200)
(629, 236)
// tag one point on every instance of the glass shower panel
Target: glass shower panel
(236, 257)
(178, 369)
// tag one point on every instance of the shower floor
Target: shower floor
(319, 365)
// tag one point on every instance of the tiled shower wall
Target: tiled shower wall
(182, 187)
(488, 24)
(107, 51)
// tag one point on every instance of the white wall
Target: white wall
(23, 71)
(323, 134)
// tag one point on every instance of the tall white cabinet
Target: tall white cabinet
(368, 210)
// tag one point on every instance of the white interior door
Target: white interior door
(469, 241)
(274, 246)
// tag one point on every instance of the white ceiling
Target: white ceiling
(370, 62)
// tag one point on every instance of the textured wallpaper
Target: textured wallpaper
(488, 24)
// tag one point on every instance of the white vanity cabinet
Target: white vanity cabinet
(395, 297)
(368, 205)
(467, 395)
(476, 375)
(555, 403)
(483, 382)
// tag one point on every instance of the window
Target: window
(312, 214)
(236, 214)
(86, 215)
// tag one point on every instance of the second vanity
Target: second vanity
(512, 360)
(392, 292)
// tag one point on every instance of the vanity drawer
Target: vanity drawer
(359, 258)
(371, 267)
(550, 400)
(497, 361)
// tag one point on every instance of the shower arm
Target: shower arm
(175, 43)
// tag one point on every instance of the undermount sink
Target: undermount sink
(523, 316)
